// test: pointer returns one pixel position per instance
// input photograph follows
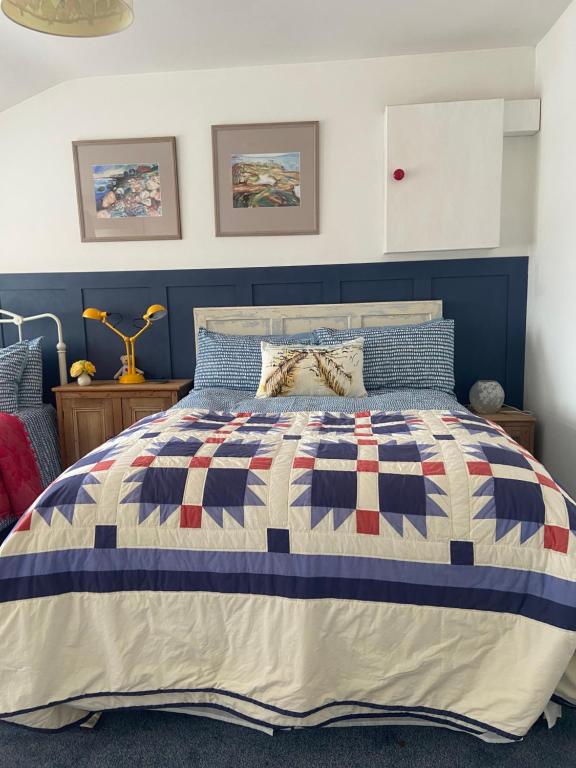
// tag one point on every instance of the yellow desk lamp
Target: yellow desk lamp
(153, 313)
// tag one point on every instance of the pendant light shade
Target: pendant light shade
(71, 18)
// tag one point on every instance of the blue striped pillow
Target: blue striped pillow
(12, 362)
(224, 361)
(30, 392)
(404, 356)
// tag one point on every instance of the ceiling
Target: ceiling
(203, 34)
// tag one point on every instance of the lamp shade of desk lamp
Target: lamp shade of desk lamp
(153, 313)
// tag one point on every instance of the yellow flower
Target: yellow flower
(82, 366)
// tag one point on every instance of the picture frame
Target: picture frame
(266, 179)
(127, 189)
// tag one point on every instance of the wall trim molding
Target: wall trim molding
(485, 296)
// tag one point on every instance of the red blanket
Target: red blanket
(20, 482)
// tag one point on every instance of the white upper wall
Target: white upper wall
(181, 35)
(38, 213)
(550, 346)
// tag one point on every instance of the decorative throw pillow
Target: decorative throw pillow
(12, 362)
(312, 370)
(30, 393)
(224, 361)
(404, 356)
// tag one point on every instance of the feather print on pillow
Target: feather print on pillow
(334, 370)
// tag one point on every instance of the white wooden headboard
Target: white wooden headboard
(299, 318)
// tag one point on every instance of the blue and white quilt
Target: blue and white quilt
(294, 569)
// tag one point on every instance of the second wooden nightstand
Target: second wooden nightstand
(88, 416)
(519, 425)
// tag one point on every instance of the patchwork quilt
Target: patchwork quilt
(294, 569)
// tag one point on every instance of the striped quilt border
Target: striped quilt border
(548, 606)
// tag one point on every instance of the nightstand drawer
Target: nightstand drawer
(136, 408)
(523, 434)
(518, 424)
(86, 424)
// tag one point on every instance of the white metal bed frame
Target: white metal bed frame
(12, 318)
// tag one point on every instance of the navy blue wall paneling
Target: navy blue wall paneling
(269, 294)
(48, 295)
(181, 301)
(486, 297)
(479, 307)
(377, 290)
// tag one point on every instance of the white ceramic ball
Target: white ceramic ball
(486, 396)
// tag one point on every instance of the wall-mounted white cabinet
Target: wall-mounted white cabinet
(449, 194)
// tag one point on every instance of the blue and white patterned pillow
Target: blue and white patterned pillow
(234, 362)
(12, 362)
(404, 356)
(30, 393)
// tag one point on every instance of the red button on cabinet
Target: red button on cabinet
(399, 174)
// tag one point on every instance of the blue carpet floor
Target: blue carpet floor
(155, 740)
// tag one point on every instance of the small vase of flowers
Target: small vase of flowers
(83, 370)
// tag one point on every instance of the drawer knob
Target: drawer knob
(399, 174)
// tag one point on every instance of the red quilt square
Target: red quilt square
(190, 516)
(260, 462)
(543, 480)
(362, 414)
(433, 468)
(556, 538)
(366, 441)
(243, 415)
(143, 461)
(105, 465)
(362, 465)
(24, 523)
(479, 468)
(303, 462)
(215, 440)
(367, 521)
(200, 462)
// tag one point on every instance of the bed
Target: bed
(29, 454)
(295, 562)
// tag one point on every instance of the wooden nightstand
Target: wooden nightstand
(519, 425)
(88, 416)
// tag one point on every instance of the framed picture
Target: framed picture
(127, 189)
(266, 179)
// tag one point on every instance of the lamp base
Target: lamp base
(132, 378)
